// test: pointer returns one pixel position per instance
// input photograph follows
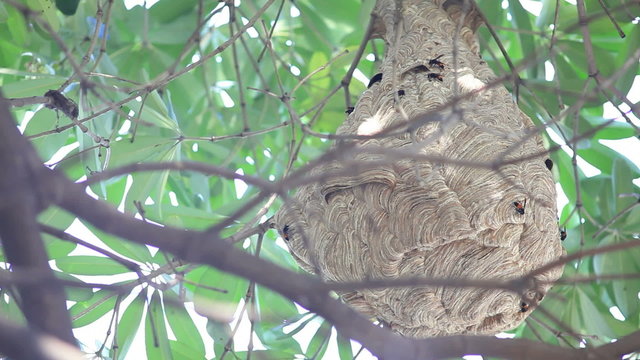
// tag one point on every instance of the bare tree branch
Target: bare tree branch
(20, 190)
(18, 342)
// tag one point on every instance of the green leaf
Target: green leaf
(45, 120)
(56, 217)
(183, 351)
(572, 316)
(623, 176)
(167, 11)
(632, 222)
(319, 342)
(321, 78)
(156, 336)
(144, 148)
(565, 170)
(121, 246)
(10, 309)
(57, 248)
(235, 287)
(613, 131)
(344, 347)
(90, 265)
(546, 14)
(624, 291)
(74, 293)
(32, 87)
(86, 312)
(599, 156)
(594, 320)
(144, 184)
(160, 118)
(521, 20)
(47, 11)
(59, 219)
(273, 307)
(183, 216)
(275, 338)
(67, 7)
(4, 16)
(218, 306)
(17, 26)
(185, 331)
(573, 54)
(602, 203)
(128, 325)
(220, 332)
(276, 254)
(632, 43)
(199, 187)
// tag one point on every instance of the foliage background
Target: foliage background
(239, 110)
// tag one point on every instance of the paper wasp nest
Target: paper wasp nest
(428, 208)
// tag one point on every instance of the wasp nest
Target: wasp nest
(456, 193)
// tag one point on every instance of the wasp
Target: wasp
(520, 206)
(376, 78)
(285, 232)
(437, 63)
(416, 69)
(524, 307)
(549, 164)
(563, 234)
(434, 76)
(349, 110)
(58, 101)
(400, 92)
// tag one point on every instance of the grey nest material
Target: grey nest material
(430, 207)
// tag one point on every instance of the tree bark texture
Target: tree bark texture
(460, 188)
(22, 197)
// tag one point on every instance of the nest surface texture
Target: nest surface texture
(426, 209)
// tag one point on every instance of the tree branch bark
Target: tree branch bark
(18, 342)
(43, 306)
